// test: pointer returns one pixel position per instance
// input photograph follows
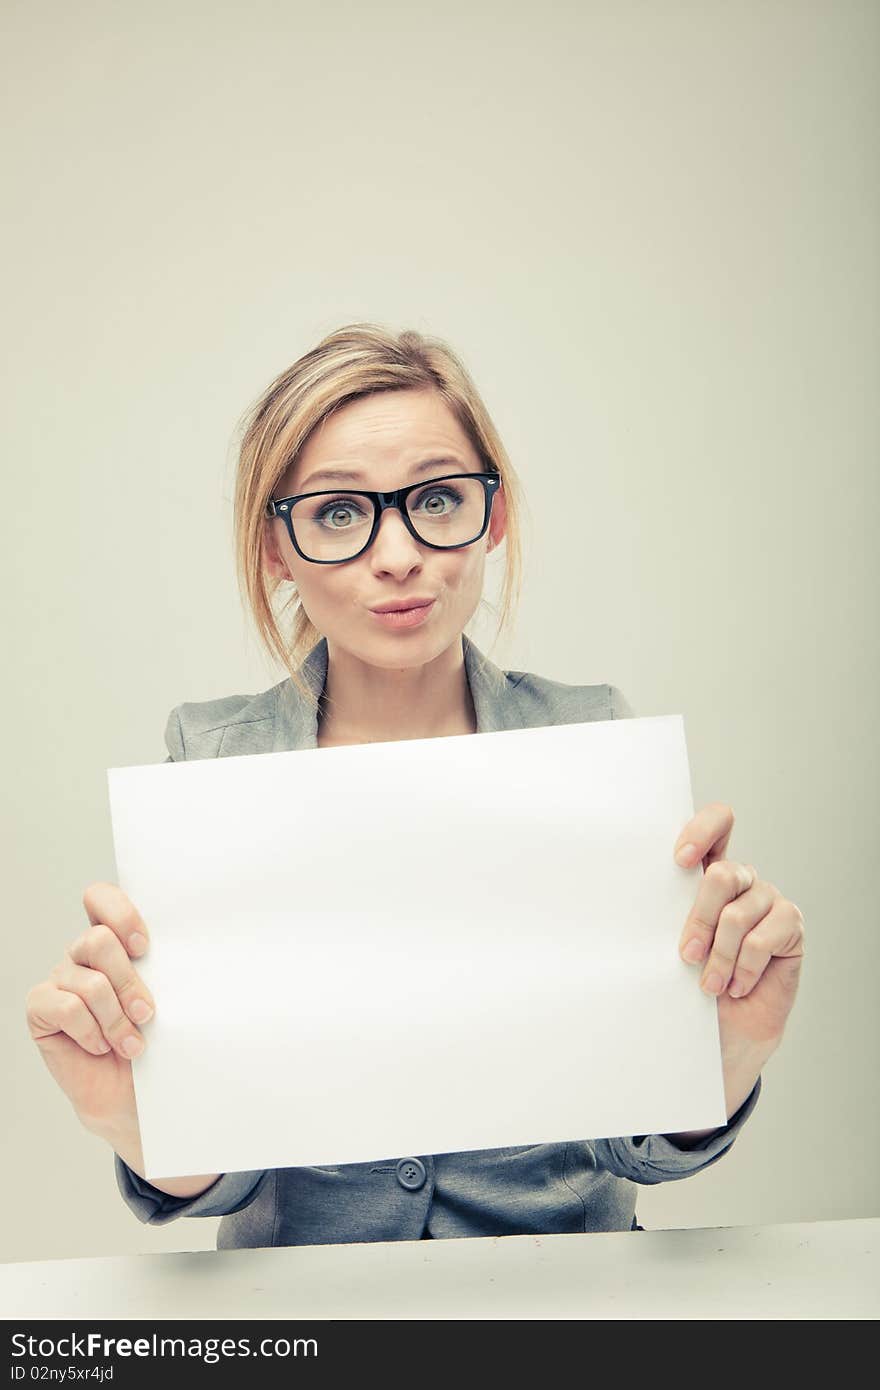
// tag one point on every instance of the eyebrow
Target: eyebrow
(347, 475)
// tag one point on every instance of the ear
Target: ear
(273, 562)
(497, 520)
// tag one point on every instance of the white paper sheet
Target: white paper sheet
(418, 947)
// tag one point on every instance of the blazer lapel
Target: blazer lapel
(296, 724)
(491, 691)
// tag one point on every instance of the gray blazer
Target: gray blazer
(584, 1185)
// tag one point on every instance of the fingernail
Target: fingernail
(140, 1010)
(713, 984)
(686, 854)
(137, 943)
(132, 1046)
(694, 950)
(737, 989)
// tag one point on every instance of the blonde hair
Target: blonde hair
(353, 361)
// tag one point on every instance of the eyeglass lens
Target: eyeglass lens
(335, 525)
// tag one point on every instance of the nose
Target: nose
(393, 546)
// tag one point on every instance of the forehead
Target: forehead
(382, 434)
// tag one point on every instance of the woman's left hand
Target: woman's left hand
(749, 938)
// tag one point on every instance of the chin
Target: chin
(392, 651)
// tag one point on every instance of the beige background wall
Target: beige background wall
(651, 231)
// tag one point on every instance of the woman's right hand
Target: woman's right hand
(84, 1021)
(84, 1018)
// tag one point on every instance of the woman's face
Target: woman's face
(381, 438)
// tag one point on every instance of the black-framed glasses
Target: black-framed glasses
(445, 513)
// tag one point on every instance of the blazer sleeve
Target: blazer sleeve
(231, 1191)
(653, 1158)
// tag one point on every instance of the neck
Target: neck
(371, 704)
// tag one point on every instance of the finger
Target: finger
(705, 836)
(735, 922)
(721, 884)
(780, 933)
(106, 903)
(99, 996)
(51, 1011)
(99, 948)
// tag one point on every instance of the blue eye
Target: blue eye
(445, 492)
(334, 508)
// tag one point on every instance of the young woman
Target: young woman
(371, 486)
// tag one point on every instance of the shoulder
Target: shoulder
(544, 701)
(234, 724)
(508, 699)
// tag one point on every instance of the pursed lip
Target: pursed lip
(402, 605)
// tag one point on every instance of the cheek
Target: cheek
(325, 591)
(315, 583)
(306, 579)
(467, 571)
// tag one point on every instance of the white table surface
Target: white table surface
(822, 1269)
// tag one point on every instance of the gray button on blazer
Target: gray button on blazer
(585, 1185)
